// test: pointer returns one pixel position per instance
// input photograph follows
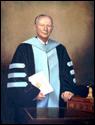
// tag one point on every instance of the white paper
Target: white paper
(40, 81)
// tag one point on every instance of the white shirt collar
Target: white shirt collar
(42, 41)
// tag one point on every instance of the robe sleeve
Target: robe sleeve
(20, 91)
(67, 75)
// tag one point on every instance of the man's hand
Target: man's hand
(40, 96)
(67, 95)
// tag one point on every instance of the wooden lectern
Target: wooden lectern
(82, 104)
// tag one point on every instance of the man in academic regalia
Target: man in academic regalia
(40, 53)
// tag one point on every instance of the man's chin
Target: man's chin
(44, 37)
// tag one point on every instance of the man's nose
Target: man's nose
(45, 28)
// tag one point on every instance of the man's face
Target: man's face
(44, 28)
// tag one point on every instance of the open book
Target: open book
(40, 81)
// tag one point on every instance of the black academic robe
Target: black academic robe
(24, 96)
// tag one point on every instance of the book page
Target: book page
(40, 81)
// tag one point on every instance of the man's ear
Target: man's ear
(34, 27)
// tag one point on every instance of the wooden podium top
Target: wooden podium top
(81, 104)
(54, 116)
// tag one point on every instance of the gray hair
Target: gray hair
(42, 15)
